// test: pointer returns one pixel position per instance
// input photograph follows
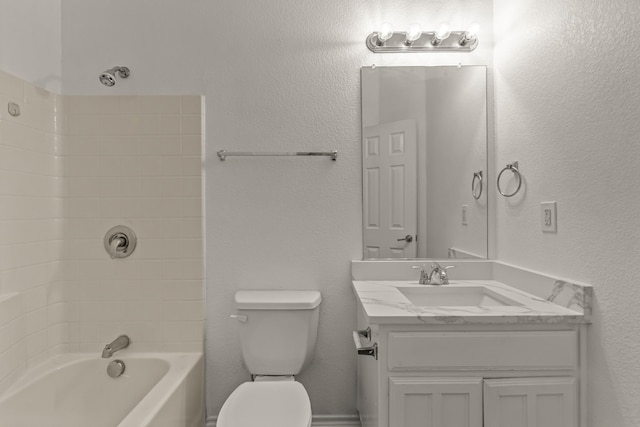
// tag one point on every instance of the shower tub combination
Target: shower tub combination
(74, 390)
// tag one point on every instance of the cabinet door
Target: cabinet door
(435, 402)
(530, 402)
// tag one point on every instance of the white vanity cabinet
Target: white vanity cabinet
(466, 375)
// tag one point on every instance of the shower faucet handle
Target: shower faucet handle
(120, 241)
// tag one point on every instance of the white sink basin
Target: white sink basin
(454, 296)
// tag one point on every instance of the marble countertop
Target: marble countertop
(383, 303)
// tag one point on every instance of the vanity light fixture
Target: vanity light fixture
(415, 40)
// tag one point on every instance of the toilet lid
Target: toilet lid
(268, 404)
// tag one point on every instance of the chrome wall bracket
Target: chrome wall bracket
(371, 350)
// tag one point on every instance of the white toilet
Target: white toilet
(278, 331)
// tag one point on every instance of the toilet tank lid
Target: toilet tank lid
(277, 300)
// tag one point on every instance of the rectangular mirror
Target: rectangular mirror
(424, 147)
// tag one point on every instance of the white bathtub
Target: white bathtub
(74, 390)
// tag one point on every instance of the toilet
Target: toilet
(278, 331)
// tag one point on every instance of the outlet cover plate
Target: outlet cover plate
(548, 217)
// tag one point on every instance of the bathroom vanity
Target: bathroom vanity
(472, 353)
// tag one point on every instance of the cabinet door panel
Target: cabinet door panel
(530, 402)
(435, 402)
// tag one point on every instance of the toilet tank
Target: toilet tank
(278, 336)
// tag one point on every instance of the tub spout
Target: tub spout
(118, 344)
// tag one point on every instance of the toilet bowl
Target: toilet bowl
(267, 404)
(278, 331)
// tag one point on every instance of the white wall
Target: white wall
(568, 102)
(277, 76)
(31, 41)
(458, 124)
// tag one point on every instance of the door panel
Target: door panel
(390, 186)
(435, 402)
(530, 402)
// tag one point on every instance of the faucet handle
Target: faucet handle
(424, 274)
(436, 265)
(444, 277)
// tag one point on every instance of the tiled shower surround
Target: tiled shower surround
(71, 167)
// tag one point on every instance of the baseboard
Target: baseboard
(335, 421)
(318, 421)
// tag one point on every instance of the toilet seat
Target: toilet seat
(266, 404)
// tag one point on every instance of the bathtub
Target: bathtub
(74, 390)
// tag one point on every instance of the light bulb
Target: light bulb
(386, 32)
(413, 34)
(470, 34)
(443, 32)
(472, 31)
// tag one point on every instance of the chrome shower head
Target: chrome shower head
(108, 78)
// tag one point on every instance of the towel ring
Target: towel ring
(477, 176)
(513, 167)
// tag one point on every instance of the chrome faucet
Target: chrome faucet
(118, 344)
(437, 275)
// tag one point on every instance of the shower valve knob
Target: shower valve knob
(120, 241)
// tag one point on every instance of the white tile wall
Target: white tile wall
(134, 161)
(31, 227)
(71, 168)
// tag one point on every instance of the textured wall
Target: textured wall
(31, 41)
(568, 102)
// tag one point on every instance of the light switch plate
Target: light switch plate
(465, 220)
(548, 217)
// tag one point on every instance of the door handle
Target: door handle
(408, 238)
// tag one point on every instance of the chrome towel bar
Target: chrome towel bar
(223, 154)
